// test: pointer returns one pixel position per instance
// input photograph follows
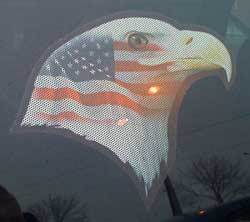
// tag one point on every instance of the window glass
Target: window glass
(211, 118)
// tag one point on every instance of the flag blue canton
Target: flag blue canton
(88, 59)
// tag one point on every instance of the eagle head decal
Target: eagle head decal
(117, 84)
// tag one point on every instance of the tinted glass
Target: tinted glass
(211, 119)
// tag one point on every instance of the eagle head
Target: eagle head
(117, 84)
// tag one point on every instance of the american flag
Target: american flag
(98, 71)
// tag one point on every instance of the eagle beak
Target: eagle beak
(207, 53)
(194, 52)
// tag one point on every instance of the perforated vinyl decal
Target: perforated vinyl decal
(117, 84)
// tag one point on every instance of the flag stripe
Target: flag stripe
(136, 56)
(96, 99)
(150, 77)
(131, 66)
(165, 88)
(124, 46)
(87, 87)
(138, 77)
(72, 116)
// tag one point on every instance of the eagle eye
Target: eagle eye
(137, 41)
(188, 40)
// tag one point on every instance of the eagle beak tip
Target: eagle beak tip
(229, 72)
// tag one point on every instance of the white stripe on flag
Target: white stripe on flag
(99, 112)
(135, 55)
(148, 77)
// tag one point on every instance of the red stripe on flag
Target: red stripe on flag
(94, 99)
(130, 66)
(124, 46)
(165, 88)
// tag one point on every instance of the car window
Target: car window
(45, 168)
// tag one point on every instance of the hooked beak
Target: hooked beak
(194, 51)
